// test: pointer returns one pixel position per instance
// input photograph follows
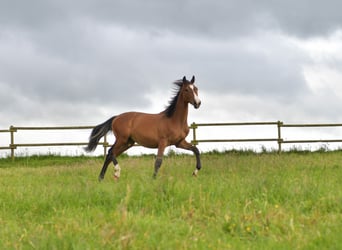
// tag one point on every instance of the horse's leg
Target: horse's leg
(118, 150)
(114, 152)
(188, 146)
(109, 158)
(159, 158)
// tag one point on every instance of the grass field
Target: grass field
(240, 200)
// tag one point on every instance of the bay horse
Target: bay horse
(169, 127)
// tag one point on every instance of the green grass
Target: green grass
(240, 200)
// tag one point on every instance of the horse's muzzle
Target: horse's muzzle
(197, 104)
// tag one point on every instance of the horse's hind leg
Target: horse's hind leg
(117, 169)
(108, 160)
(159, 159)
(111, 157)
(117, 149)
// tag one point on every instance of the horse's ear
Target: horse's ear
(184, 79)
(193, 79)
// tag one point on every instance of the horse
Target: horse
(169, 127)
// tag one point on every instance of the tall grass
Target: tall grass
(240, 200)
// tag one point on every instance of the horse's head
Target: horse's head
(190, 92)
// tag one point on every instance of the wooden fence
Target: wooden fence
(13, 146)
(278, 132)
(194, 127)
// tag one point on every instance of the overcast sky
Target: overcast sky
(79, 62)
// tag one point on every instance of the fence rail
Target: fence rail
(12, 146)
(195, 126)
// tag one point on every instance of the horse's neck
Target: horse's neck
(181, 113)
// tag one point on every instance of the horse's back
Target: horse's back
(141, 127)
(136, 119)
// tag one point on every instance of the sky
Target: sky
(80, 62)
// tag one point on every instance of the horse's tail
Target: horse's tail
(97, 133)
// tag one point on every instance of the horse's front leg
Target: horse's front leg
(159, 159)
(188, 146)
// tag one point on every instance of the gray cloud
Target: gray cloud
(223, 18)
(61, 59)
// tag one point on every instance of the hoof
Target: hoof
(154, 176)
(100, 178)
(194, 174)
(116, 178)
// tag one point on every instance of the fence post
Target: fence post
(280, 140)
(105, 145)
(194, 127)
(12, 129)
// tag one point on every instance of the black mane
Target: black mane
(170, 109)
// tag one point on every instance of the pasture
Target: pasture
(240, 200)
